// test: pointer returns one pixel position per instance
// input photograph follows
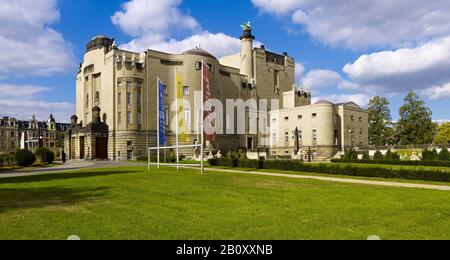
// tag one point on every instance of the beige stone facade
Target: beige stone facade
(123, 85)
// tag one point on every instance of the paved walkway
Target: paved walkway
(340, 180)
(70, 166)
(105, 164)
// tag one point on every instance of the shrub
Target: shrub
(398, 162)
(444, 155)
(25, 158)
(378, 156)
(428, 155)
(350, 170)
(351, 155)
(366, 156)
(44, 155)
(390, 156)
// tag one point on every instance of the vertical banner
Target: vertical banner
(162, 115)
(182, 131)
(208, 118)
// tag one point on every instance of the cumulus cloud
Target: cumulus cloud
(299, 71)
(320, 79)
(22, 101)
(365, 23)
(166, 23)
(437, 92)
(418, 68)
(29, 45)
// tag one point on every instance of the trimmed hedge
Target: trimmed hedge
(335, 169)
(25, 158)
(397, 162)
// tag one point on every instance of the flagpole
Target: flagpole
(158, 116)
(178, 121)
(202, 114)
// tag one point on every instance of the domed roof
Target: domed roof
(74, 117)
(199, 52)
(324, 102)
(96, 109)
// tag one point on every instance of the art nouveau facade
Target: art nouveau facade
(123, 85)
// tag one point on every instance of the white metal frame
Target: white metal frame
(178, 165)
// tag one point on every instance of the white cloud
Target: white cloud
(437, 92)
(365, 23)
(299, 71)
(360, 99)
(320, 79)
(156, 17)
(218, 44)
(162, 32)
(22, 101)
(29, 45)
(397, 71)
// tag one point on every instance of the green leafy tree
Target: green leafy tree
(415, 125)
(378, 156)
(366, 156)
(380, 121)
(444, 155)
(388, 156)
(443, 134)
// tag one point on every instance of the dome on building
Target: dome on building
(199, 52)
(96, 109)
(98, 42)
(74, 117)
(324, 102)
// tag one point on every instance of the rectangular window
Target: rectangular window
(187, 117)
(166, 90)
(300, 136)
(139, 85)
(314, 134)
(275, 139)
(286, 137)
(129, 98)
(360, 119)
(276, 80)
(300, 117)
(119, 98)
(119, 119)
(352, 118)
(129, 84)
(12, 134)
(185, 91)
(129, 118)
(286, 118)
(139, 98)
(166, 111)
(139, 118)
(314, 115)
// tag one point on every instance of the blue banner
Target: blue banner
(162, 114)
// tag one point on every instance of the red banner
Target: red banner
(208, 117)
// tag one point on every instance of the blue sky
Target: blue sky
(344, 50)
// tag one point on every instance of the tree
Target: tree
(444, 155)
(44, 155)
(443, 135)
(378, 156)
(415, 125)
(380, 121)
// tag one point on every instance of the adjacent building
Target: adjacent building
(17, 134)
(116, 97)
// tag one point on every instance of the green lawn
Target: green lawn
(129, 203)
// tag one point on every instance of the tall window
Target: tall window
(300, 136)
(275, 139)
(166, 112)
(185, 91)
(139, 118)
(276, 80)
(87, 100)
(187, 117)
(129, 84)
(314, 134)
(286, 137)
(139, 97)
(129, 118)
(119, 98)
(119, 119)
(129, 98)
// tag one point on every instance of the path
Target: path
(341, 180)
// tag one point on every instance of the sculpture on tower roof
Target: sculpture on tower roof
(247, 26)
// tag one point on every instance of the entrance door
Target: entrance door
(82, 148)
(101, 148)
(129, 155)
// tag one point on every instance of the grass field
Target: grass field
(129, 203)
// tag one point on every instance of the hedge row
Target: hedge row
(336, 169)
(397, 162)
